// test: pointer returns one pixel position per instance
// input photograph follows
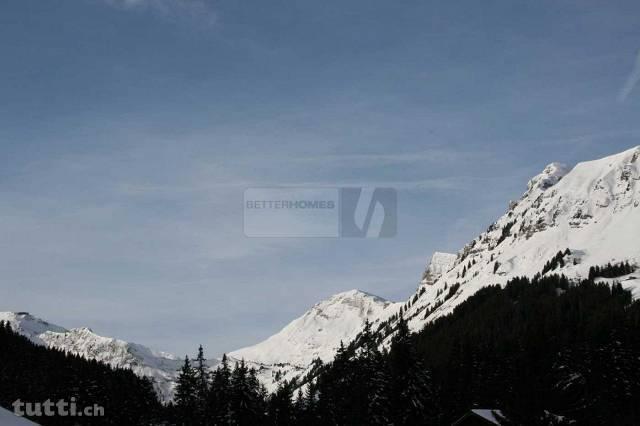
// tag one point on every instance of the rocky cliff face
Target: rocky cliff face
(440, 263)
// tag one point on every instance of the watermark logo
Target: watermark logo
(60, 408)
(368, 212)
(320, 212)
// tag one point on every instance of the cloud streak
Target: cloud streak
(632, 81)
(193, 10)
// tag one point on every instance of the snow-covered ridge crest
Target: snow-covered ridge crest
(439, 264)
(593, 210)
(314, 335)
(549, 177)
(318, 332)
(160, 367)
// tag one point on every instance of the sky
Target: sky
(130, 129)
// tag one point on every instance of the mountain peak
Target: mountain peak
(591, 210)
(29, 325)
(351, 295)
(620, 159)
(551, 175)
(319, 331)
(439, 264)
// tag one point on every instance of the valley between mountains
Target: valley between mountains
(567, 221)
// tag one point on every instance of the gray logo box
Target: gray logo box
(351, 212)
(368, 212)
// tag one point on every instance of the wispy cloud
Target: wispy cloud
(435, 155)
(632, 81)
(196, 10)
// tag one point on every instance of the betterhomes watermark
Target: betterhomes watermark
(60, 408)
(363, 212)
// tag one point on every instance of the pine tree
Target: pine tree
(411, 388)
(280, 407)
(299, 406)
(202, 376)
(186, 399)
(218, 401)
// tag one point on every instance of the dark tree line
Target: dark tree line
(535, 348)
(542, 351)
(227, 396)
(611, 271)
(556, 261)
(363, 385)
(34, 373)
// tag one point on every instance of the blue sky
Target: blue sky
(130, 128)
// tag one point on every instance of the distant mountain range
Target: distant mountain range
(565, 222)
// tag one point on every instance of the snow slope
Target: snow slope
(316, 334)
(160, 367)
(629, 282)
(592, 209)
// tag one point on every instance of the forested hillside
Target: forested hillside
(34, 373)
(543, 352)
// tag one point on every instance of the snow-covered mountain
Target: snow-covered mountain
(316, 334)
(593, 210)
(160, 367)
(285, 355)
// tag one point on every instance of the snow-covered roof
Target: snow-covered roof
(490, 416)
(7, 418)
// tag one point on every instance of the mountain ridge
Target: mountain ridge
(314, 335)
(592, 209)
(160, 367)
(584, 216)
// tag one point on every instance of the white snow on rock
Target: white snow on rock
(549, 177)
(316, 334)
(439, 264)
(593, 210)
(629, 282)
(160, 367)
